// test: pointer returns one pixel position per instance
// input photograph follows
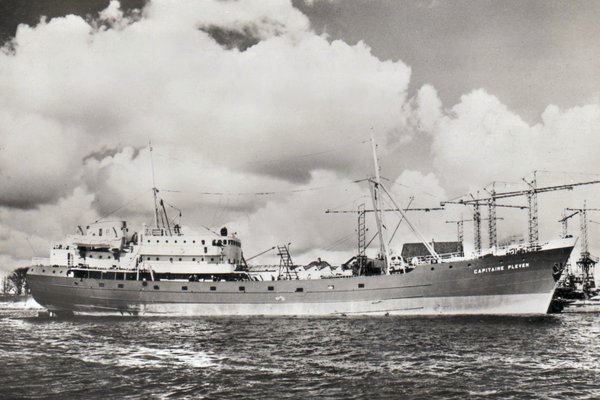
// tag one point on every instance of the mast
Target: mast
(154, 190)
(378, 206)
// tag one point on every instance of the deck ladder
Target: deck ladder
(285, 262)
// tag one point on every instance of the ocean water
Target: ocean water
(552, 357)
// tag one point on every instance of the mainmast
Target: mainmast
(154, 189)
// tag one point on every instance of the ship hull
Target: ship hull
(510, 284)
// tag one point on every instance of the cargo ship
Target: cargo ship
(106, 268)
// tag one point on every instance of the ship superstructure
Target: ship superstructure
(109, 247)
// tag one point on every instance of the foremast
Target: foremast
(377, 208)
(377, 189)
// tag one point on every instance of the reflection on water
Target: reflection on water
(387, 357)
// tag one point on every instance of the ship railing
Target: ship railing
(155, 232)
(433, 260)
(508, 249)
(61, 246)
(40, 261)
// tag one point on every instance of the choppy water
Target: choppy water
(256, 358)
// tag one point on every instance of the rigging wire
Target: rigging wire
(122, 206)
(343, 205)
(567, 172)
(280, 159)
(264, 193)
(318, 153)
(399, 222)
(412, 187)
(339, 242)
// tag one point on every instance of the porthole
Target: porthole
(450, 266)
(179, 258)
(299, 290)
(156, 258)
(194, 259)
(361, 285)
(242, 288)
(270, 288)
(432, 268)
(176, 241)
(156, 287)
(213, 288)
(184, 288)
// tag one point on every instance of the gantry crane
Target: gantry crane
(531, 195)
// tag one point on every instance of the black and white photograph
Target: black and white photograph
(297, 199)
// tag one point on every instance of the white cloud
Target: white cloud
(222, 119)
(241, 97)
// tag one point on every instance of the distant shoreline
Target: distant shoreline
(13, 298)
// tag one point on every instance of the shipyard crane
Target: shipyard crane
(586, 260)
(564, 222)
(426, 209)
(460, 229)
(477, 218)
(531, 195)
(583, 225)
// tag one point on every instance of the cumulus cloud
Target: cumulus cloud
(236, 96)
(240, 99)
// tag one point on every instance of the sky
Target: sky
(260, 115)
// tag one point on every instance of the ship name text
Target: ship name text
(500, 268)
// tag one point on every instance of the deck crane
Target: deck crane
(531, 195)
(361, 211)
